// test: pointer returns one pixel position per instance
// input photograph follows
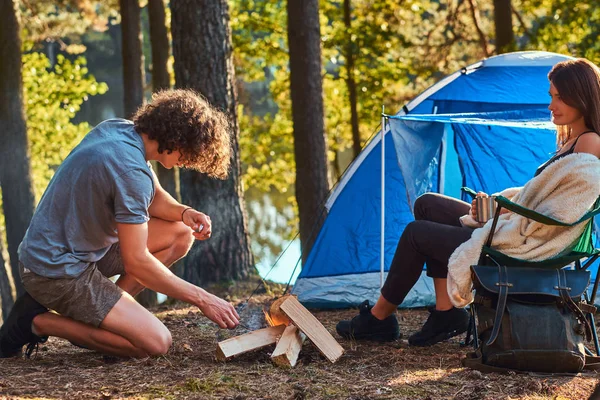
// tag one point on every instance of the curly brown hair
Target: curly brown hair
(182, 120)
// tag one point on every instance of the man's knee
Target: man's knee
(136, 324)
(183, 240)
(158, 343)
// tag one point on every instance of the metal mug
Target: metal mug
(485, 207)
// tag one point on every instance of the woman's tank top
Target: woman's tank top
(558, 156)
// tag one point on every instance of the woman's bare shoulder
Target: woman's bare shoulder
(588, 143)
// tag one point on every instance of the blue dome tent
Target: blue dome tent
(486, 126)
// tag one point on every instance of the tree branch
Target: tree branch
(475, 18)
(521, 22)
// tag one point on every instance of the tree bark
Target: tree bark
(6, 299)
(304, 40)
(15, 176)
(203, 62)
(133, 57)
(350, 82)
(133, 82)
(505, 38)
(159, 40)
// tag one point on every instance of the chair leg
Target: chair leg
(595, 287)
(594, 334)
(588, 352)
(592, 319)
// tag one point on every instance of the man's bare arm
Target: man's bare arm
(151, 273)
(164, 206)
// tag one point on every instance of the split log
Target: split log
(288, 348)
(248, 342)
(312, 328)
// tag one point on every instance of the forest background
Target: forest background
(78, 66)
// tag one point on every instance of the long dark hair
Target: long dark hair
(578, 84)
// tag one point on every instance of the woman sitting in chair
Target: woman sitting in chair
(438, 231)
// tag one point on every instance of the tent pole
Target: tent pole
(382, 254)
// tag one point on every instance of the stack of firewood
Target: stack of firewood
(290, 324)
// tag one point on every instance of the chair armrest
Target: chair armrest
(469, 191)
(518, 209)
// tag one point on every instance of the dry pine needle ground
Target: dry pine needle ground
(190, 370)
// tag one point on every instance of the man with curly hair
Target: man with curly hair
(104, 213)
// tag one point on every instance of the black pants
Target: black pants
(431, 238)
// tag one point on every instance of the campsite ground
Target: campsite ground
(190, 370)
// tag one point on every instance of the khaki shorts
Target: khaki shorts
(87, 298)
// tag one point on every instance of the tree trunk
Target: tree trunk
(159, 40)
(304, 40)
(133, 82)
(203, 62)
(505, 38)
(350, 82)
(133, 57)
(6, 299)
(15, 175)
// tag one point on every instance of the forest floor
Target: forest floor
(190, 370)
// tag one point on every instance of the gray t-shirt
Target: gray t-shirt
(106, 179)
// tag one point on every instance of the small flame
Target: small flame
(268, 318)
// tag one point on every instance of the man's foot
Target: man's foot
(16, 330)
(441, 325)
(366, 327)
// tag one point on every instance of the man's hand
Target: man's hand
(219, 311)
(199, 222)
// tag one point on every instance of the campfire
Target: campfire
(290, 324)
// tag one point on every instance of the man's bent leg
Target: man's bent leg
(129, 330)
(168, 241)
(96, 314)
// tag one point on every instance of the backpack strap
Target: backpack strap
(474, 360)
(568, 301)
(502, 296)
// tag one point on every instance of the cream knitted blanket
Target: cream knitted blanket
(565, 191)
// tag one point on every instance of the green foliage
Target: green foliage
(399, 50)
(266, 140)
(65, 21)
(266, 133)
(563, 26)
(52, 97)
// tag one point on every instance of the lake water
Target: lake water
(282, 271)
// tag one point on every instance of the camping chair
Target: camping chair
(584, 249)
